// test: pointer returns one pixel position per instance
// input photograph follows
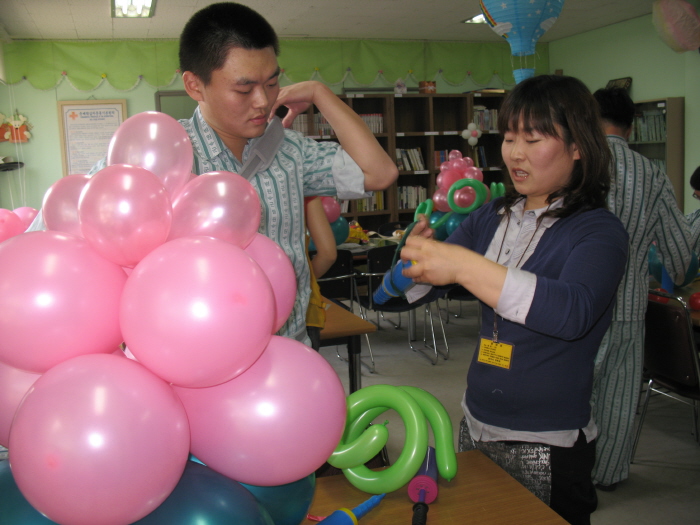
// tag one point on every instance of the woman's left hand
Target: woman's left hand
(434, 262)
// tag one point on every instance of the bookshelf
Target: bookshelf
(658, 134)
(415, 129)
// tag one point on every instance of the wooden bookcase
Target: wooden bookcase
(658, 134)
(428, 123)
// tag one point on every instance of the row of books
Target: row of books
(480, 157)
(373, 203)
(375, 122)
(650, 126)
(409, 159)
(411, 196)
(485, 119)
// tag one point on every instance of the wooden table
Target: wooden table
(345, 328)
(481, 492)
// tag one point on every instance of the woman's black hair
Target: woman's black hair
(541, 104)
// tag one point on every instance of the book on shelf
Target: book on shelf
(374, 121)
(411, 196)
(485, 119)
(649, 126)
(409, 159)
(373, 203)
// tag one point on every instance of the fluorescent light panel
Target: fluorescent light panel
(478, 19)
(133, 8)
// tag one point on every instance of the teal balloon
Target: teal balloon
(205, 497)
(287, 504)
(14, 508)
(654, 263)
(341, 230)
(440, 233)
(454, 222)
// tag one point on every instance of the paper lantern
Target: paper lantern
(677, 24)
(521, 23)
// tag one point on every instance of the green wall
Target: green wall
(633, 49)
(41, 73)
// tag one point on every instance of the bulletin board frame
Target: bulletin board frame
(86, 128)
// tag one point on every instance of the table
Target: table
(345, 328)
(481, 492)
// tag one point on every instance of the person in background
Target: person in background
(694, 217)
(544, 262)
(228, 58)
(642, 197)
(320, 232)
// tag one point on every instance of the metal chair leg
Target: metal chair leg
(641, 419)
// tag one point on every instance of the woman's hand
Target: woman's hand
(422, 228)
(434, 262)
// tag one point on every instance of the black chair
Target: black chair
(459, 294)
(379, 261)
(338, 284)
(388, 229)
(670, 356)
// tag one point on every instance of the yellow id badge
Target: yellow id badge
(495, 353)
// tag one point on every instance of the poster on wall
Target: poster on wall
(87, 127)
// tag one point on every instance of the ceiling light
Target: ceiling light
(133, 8)
(478, 19)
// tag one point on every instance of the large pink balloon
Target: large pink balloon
(26, 214)
(279, 270)
(332, 208)
(59, 209)
(219, 204)
(14, 384)
(10, 224)
(98, 440)
(440, 200)
(275, 423)
(125, 213)
(197, 311)
(157, 142)
(59, 299)
(464, 197)
(474, 173)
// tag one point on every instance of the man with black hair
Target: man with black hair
(694, 217)
(642, 197)
(228, 58)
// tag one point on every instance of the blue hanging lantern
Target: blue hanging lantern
(521, 23)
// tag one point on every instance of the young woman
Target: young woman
(545, 262)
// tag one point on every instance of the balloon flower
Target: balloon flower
(521, 23)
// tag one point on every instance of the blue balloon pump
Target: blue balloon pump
(394, 283)
(349, 517)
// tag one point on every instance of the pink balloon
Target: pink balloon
(218, 204)
(197, 311)
(60, 206)
(454, 154)
(449, 177)
(10, 224)
(459, 164)
(98, 440)
(279, 270)
(59, 299)
(464, 197)
(14, 384)
(474, 173)
(124, 213)
(445, 166)
(157, 142)
(26, 214)
(332, 208)
(440, 200)
(469, 161)
(275, 423)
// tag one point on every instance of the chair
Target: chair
(379, 261)
(338, 283)
(458, 293)
(670, 356)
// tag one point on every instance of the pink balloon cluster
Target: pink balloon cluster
(452, 170)
(172, 266)
(14, 222)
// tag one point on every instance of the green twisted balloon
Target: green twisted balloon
(361, 441)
